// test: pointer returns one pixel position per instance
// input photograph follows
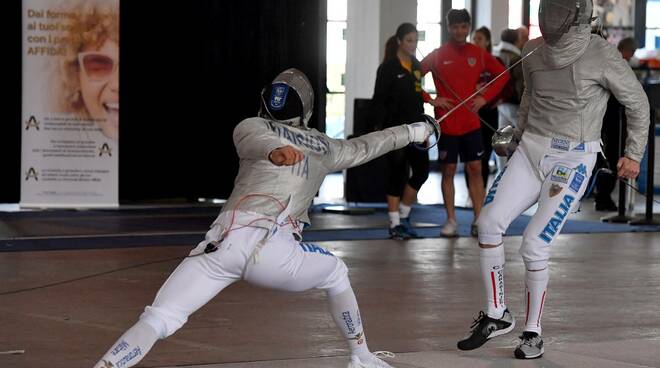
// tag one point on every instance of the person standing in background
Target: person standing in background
(457, 68)
(488, 114)
(523, 33)
(399, 98)
(509, 52)
(614, 124)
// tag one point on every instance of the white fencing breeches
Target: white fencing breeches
(280, 262)
(551, 171)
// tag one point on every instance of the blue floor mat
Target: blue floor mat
(435, 214)
(187, 231)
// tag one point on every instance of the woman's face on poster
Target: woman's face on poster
(99, 85)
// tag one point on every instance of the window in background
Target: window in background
(652, 25)
(534, 30)
(429, 25)
(458, 4)
(515, 13)
(336, 68)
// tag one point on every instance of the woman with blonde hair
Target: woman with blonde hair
(87, 80)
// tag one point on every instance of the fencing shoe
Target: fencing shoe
(485, 328)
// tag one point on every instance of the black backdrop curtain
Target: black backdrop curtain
(10, 107)
(193, 70)
(189, 72)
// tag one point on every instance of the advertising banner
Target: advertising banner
(70, 112)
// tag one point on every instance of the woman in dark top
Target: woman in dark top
(398, 99)
(482, 38)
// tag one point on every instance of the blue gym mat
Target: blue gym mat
(436, 214)
(140, 228)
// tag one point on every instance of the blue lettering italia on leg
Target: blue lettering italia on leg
(313, 248)
(493, 188)
(553, 225)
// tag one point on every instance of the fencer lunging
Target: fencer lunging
(568, 82)
(257, 236)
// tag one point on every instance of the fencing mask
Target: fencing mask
(288, 99)
(556, 17)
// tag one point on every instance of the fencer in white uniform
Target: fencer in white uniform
(257, 236)
(568, 82)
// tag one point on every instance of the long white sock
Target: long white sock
(131, 347)
(345, 312)
(394, 219)
(492, 272)
(404, 210)
(536, 283)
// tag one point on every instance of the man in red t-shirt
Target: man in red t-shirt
(458, 69)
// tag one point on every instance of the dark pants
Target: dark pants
(614, 125)
(400, 163)
(490, 116)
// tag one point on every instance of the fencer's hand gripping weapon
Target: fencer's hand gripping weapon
(505, 141)
(437, 122)
(435, 130)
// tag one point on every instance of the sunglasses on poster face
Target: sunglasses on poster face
(97, 66)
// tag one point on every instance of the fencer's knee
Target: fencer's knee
(533, 250)
(163, 320)
(488, 229)
(338, 281)
(536, 265)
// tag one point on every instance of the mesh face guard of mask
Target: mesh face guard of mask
(556, 17)
(280, 92)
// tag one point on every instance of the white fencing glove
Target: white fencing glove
(419, 132)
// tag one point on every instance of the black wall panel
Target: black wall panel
(189, 72)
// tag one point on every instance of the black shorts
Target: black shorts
(469, 146)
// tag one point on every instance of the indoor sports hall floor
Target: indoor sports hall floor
(417, 299)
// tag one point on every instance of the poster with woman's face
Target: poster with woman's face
(85, 81)
(70, 102)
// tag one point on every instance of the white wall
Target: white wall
(370, 24)
(393, 13)
(493, 14)
(362, 39)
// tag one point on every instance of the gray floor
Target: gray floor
(417, 298)
(643, 353)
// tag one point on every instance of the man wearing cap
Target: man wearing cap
(458, 67)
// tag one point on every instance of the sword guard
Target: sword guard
(504, 141)
(436, 131)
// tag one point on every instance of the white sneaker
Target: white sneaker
(449, 229)
(371, 362)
